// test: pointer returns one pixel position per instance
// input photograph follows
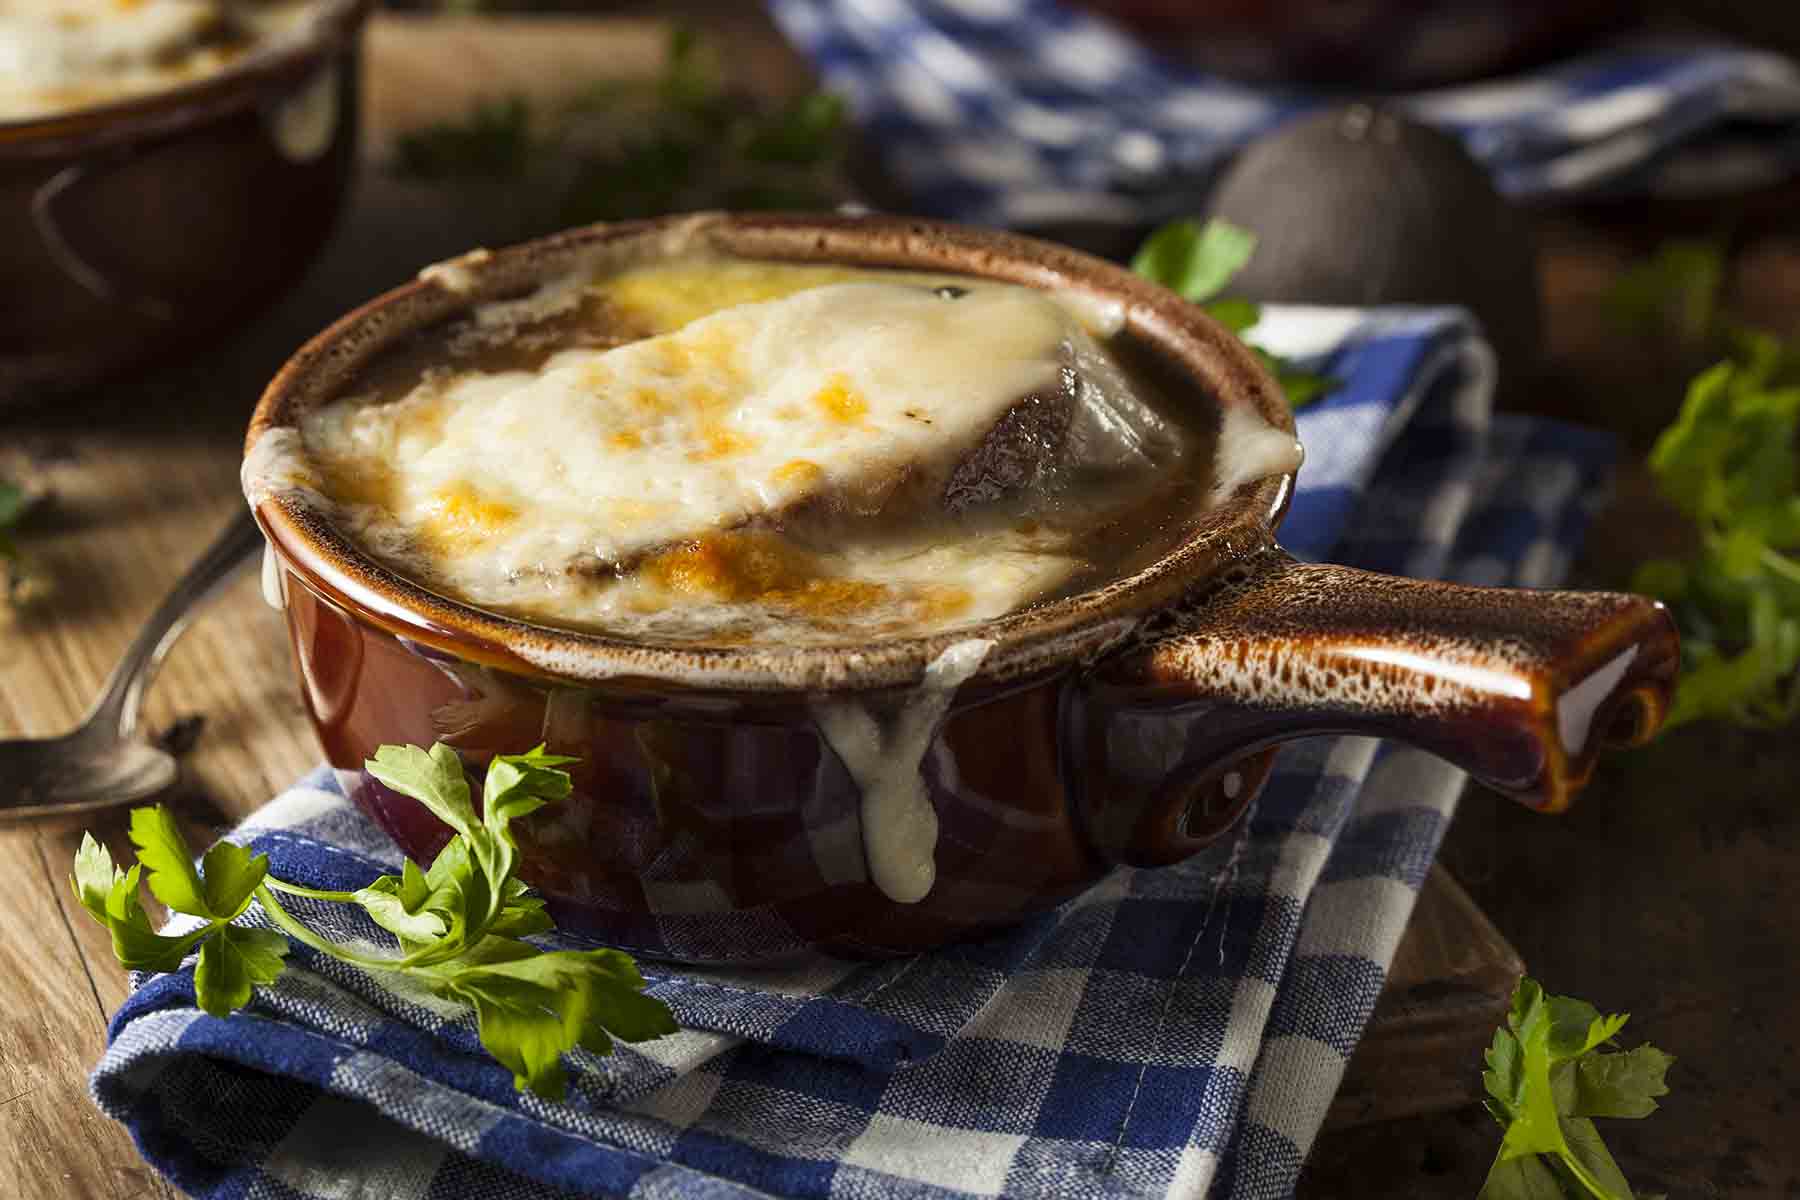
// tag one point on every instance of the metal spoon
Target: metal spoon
(100, 764)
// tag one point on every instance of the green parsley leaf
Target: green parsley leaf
(1678, 289)
(516, 786)
(1547, 1074)
(398, 903)
(110, 897)
(803, 133)
(163, 854)
(1193, 259)
(94, 876)
(1198, 261)
(232, 962)
(1589, 1160)
(13, 503)
(1618, 1085)
(432, 777)
(494, 140)
(533, 1008)
(1239, 316)
(1301, 387)
(230, 875)
(521, 914)
(20, 582)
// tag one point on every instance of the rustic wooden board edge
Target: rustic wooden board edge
(1449, 987)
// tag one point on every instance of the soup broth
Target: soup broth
(737, 452)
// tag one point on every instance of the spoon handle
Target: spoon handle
(123, 694)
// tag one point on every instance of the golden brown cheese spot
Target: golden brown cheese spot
(799, 472)
(420, 420)
(357, 482)
(764, 568)
(719, 441)
(626, 439)
(831, 597)
(634, 512)
(943, 602)
(761, 567)
(730, 566)
(707, 399)
(840, 401)
(461, 516)
(717, 349)
(650, 400)
(665, 297)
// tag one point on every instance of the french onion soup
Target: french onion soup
(59, 56)
(726, 451)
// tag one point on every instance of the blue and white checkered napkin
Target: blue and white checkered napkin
(1030, 112)
(1172, 1032)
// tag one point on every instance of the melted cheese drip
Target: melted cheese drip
(304, 125)
(1251, 449)
(899, 825)
(274, 580)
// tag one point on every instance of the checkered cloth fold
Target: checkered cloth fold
(1031, 112)
(1178, 1031)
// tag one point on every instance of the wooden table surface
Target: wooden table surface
(145, 472)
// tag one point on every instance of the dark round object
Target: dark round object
(1357, 205)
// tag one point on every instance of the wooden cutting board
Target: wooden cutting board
(145, 472)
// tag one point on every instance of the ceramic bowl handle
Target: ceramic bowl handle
(1520, 688)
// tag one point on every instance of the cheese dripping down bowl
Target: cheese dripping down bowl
(165, 173)
(881, 758)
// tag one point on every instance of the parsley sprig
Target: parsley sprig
(458, 926)
(1730, 463)
(1199, 261)
(619, 150)
(19, 583)
(1549, 1073)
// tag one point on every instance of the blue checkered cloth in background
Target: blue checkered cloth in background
(1171, 1032)
(1030, 112)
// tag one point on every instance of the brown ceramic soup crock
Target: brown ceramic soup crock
(134, 228)
(1131, 724)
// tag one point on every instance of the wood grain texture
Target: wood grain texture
(53, 1142)
(144, 472)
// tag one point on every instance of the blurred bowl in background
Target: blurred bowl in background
(137, 228)
(1386, 44)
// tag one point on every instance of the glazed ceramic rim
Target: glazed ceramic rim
(170, 110)
(1025, 643)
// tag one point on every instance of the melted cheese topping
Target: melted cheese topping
(61, 55)
(612, 453)
(785, 453)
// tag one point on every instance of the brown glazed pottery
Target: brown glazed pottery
(138, 227)
(1132, 724)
